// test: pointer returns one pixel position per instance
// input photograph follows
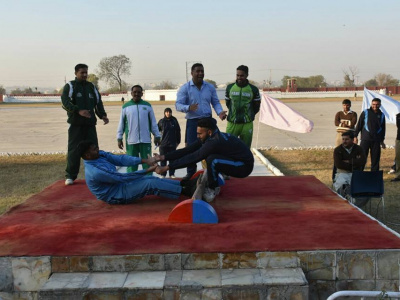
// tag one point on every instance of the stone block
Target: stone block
(321, 289)
(66, 281)
(173, 261)
(288, 292)
(387, 285)
(278, 260)
(19, 296)
(355, 285)
(107, 280)
(173, 279)
(80, 264)
(59, 264)
(172, 294)
(202, 278)
(318, 265)
(115, 263)
(356, 265)
(102, 295)
(6, 275)
(283, 277)
(152, 280)
(211, 294)
(146, 262)
(61, 295)
(240, 277)
(146, 295)
(387, 264)
(30, 273)
(196, 261)
(239, 260)
(243, 294)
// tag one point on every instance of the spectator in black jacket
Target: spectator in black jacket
(170, 137)
(372, 125)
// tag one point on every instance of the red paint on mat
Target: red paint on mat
(255, 214)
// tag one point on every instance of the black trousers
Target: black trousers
(76, 134)
(221, 164)
(165, 150)
(375, 148)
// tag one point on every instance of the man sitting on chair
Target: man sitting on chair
(347, 157)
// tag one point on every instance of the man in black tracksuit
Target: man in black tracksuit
(372, 125)
(223, 153)
(170, 137)
(82, 102)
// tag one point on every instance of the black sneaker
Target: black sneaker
(189, 186)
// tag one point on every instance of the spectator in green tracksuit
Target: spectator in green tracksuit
(82, 102)
(243, 102)
(137, 121)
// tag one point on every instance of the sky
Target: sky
(42, 41)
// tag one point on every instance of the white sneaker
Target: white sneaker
(162, 176)
(391, 171)
(172, 176)
(210, 194)
(69, 181)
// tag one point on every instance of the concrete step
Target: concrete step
(271, 283)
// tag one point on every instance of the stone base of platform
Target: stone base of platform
(256, 275)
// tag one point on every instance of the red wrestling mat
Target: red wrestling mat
(255, 214)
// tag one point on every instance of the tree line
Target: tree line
(113, 69)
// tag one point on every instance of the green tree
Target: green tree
(2, 90)
(316, 81)
(117, 88)
(111, 69)
(94, 79)
(371, 82)
(211, 82)
(165, 85)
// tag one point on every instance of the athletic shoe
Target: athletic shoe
(395, 179)
(392, 171)
(210, 194)
(69, 181)
(162, 176)
(172, 176)
(226, 177)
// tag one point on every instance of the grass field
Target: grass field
(319, 163)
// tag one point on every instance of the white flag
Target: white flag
(277, 114)
(389, 106)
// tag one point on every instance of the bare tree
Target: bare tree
(350, 75)
(111, 69)
(385, 79)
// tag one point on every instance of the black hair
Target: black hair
(243, 68)
(346, 101)
(136, 85)
(208, 123)
(167, 109)
(84, 146)
(197, 65)
(348, 133)
(80, 66)
(376, 99)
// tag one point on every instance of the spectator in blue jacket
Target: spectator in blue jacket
(170, 137)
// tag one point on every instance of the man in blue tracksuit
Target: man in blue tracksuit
(113, 187)
(224, 153)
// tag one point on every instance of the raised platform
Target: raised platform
(265, 222)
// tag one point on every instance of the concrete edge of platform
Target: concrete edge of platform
(267, 163)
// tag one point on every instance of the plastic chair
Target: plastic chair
(366, 185)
